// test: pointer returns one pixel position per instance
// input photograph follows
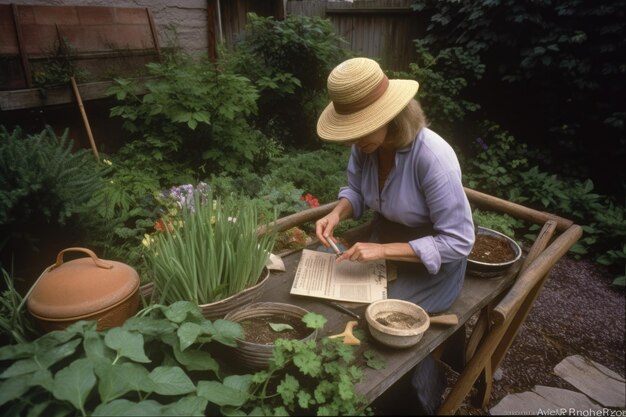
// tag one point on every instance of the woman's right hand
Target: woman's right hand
(324, 227)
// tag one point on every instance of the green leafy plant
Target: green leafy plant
(304, 378)
(503, 223)
(58, 66)
(562, 54)
(502, 167)
(213, 250)
(320, 172)
(44, 189)
(15, 326)
(124, 209)
(447, 73)
(194, 112)
(288, 60)
(41, 175)
(156, 364)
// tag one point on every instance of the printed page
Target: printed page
(318, 275)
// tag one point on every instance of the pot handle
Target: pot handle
(89, 252)
(445, 319)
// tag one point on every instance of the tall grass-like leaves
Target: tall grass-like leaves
(214, 253)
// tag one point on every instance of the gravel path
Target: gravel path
(577, 312)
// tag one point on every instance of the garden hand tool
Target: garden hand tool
(348, 337)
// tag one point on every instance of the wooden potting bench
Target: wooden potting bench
(500, 305)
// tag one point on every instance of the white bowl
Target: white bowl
(395, 336)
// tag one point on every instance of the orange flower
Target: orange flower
(160, 226)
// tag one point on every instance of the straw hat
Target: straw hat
(363, 100)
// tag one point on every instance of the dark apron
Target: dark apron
(434, 293)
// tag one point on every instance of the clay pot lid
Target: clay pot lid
(81, 287)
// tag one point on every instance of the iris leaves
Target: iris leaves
(215, 251)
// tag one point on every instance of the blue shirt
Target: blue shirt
(423, 187)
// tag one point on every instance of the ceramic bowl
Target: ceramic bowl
(396, 323)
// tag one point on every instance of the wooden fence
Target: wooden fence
(379, 29)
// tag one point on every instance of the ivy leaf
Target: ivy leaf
(128, 408)
(149, 326)
(179, 311)
(42, 378)
(38, 409)
(239, 382)
(226, 332)
(21, 367)
(42, 359)
(117, 380)
(221, 394)
(93, 344)
(13, 388)
(74, 383)
(171, 380)
(280, 327)
(188, 334)
(190, 405)
(18, 351)
(195, 360)
(125, 343)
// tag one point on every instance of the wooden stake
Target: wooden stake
(85, 120)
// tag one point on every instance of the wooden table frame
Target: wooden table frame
(502, 305)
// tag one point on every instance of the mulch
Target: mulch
(577, 312)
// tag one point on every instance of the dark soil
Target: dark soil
(399, 320)
(258, 329)
(490, 249)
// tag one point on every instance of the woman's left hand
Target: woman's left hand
(363, 252)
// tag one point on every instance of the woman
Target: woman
(411, 178)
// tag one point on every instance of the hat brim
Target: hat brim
(335, 127)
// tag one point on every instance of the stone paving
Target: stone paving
(601, 392)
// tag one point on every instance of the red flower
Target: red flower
(160, 226)
(311, 200)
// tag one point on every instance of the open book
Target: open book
(319, 275)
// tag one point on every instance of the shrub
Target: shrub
(503, 167)
(288, 60)
(321, 172)
(552, 74)
(40, 175)
(44, 188)
(194, 113)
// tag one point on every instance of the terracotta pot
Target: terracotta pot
(84, 289)
(256, 356)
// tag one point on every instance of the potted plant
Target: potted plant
(210, 252)
(263, 324)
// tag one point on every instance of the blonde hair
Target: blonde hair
(405, 126)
